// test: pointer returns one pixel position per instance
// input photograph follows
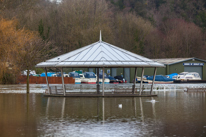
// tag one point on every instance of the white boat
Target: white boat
(88, 78)
(106, 80)
(144, 80)
(66, 75)
(181, 76)
(54, 75)
(75, 76)
(190, 76)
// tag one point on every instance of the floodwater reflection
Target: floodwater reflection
(172, 113)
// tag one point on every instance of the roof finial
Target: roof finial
(100, 37)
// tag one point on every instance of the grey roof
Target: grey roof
(100, 54)
(170, 61)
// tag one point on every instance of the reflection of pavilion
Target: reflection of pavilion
(131, 118)
(100, 55)
(101, 108)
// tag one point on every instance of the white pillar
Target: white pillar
(153, 81)
(102, 81)
(62, 75)
(140, 90)
(47, 82)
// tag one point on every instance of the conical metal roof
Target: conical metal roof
(100, 54)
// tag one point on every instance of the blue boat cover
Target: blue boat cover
(105, 75)
(89, 75)
(171, 75)
(74, 74)
(111, 78)
(160, 78)
(49, 74)
(59, 74)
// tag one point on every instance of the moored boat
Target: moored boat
(160, 79)
(188, 76)
(106, 79)
(75, 76)
(88, 78)
(113, 80)
(121, 79)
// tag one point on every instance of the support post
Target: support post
(140, 89)
(63, 86)
(55, 89)
(47, 106)
(98, 81)
(63, 108)
(133, 86)
(103, 110)
(47, 82)
(103, 82)
(141, 110)
(153, 81)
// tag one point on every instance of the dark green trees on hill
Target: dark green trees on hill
(152, 28)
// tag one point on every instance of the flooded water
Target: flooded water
(172, 113)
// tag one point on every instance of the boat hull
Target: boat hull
(190, 81)
(161, 82)
(88, 81)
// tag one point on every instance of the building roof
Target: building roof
(100, 54)
(170, 61)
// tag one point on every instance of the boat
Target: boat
(88, 78)
(121, 79)
(181, 76)
(113, 80)
(188, 76)
(160, 79)
(58, 74)
(173, 75)
(144, 80)
(49, 74)
(106, 79)
(75, 76)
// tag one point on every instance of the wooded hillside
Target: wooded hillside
(152, 28)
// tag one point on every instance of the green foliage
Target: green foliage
(152, 20)
(39, 70)
(8, 78)
(119, 3)
(41, 30)
(158, 3)
(201, 19)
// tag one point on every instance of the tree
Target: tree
(21, 48)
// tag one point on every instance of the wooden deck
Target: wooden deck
(99, 95)
(57, 91)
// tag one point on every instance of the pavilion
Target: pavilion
(101, 55)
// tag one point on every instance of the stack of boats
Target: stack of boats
(91, 78)
(172, 78)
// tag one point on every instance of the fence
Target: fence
(42, 80)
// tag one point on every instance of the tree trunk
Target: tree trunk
(27, 81)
